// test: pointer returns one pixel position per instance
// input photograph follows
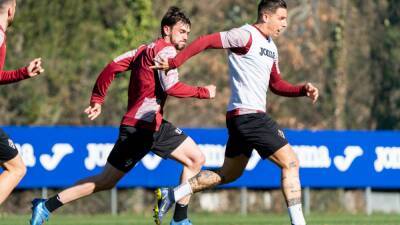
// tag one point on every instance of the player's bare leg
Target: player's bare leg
(229, 172)
(205, 179)
(14, 171)
(103, 181)
(192, 159)
(287, 160)
(42, 208)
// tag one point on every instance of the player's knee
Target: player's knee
(199, 161)
(20, 171)
(104, 185)
(226, 177)
(195, 163)
(17, 169)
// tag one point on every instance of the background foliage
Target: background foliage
(348, 48)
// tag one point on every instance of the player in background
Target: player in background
(142, 127)
(253, 69)
(13, 167)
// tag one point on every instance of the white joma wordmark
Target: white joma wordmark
(343, 163)
(59, 152)
(97, 154)
(151, 162)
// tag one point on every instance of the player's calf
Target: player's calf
(287, 160)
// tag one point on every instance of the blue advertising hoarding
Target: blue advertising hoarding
(60, 156)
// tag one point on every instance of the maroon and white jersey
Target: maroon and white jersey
(148, 89)
(11, 76)
(253, 67)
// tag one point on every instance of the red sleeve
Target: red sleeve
(120, 64)
(197, 46)
(12, 76)
(282, 87)
(182, 90)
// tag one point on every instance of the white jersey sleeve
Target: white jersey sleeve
(235, 38)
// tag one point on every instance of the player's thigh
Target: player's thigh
(15, 165)
(267, 138)
(107, 179)
(239, 130)
(110, 175)
(172, 142)
(9, 157)
(285, 157)
(188, 153)
(132, 145)
(233, 168)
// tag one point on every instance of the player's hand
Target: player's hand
(212, 90)
(35, 67)
(160, 64)
(93, 111)
(312, 92)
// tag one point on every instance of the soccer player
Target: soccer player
(253, 68)
(13, 167)
(142, 127)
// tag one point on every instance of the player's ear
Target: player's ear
(167, 30)
(265, 17)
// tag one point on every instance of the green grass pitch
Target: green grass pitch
(210, 219)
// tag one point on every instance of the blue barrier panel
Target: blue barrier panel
(60, 156)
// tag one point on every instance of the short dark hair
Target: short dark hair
(270, 6)
(3, 2)
(172, 17)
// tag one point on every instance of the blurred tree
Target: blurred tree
(348, 48)
(386, 68)
(75, 39)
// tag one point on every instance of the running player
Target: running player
(253, 67)
(13, 167)
(142, 127)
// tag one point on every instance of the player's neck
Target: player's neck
(262, 30)
(167, 39)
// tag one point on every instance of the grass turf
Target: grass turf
(209, 219)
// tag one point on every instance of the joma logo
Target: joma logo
(267, 52)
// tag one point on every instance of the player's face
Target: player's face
(276, 22)
(11, 13)
(179, 35)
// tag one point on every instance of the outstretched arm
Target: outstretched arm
(182, 90)
(238, 40)
(120, 64)
(169, 81)
(284, 88)
(173, 87)
(202, 43)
